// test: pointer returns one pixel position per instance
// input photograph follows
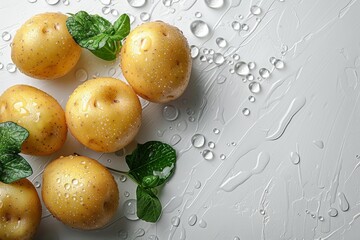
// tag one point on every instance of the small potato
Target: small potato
(80, 192)
(104, 114)
(39, 113)
(43, 48)
(20, 210)
(156, 61)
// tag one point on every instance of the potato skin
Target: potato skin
(156, 61)
(39, 113)
(104, 114)
(80, 192)
(20, 210)
(43, 48)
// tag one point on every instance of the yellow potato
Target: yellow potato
(20, 210)
(156, 61)
(39, 113)
(104, 114)
(43, 48)
(80, 192)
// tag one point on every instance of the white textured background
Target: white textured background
(307, 112)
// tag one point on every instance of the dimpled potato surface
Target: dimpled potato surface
(20, 210)
(104, 114)
(43, 48)
(156, 61)
(80, 192)
(39, 113)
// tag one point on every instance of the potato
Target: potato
(80, 192)
(39, 113)
(20, 210)
(156, 61)
(104, 114)
(43, 48)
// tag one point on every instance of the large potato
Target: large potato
(104, 114)
(80, 192)
(20, 210)
(156, 61)
(39, 113)
(43, 48)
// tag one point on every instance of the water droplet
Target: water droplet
(175, 139)
(58, 180)
(319, 143)
(1, 66)
(191, 119)
(272, 60)
(32, 1)
(236, 57)
(203, 58)
(6, 36)
(52, 2)
(214, 3)
(66, 195)
(262, 211)
(145, 17)
(218, 59)
(123, 178)
(208, 155)
(216, 131)
(250, 77)
(236, 238)
(313, 215)
(245, 27)
(211, 145)
(126, 194)
(75, 181)
(66, 2)
(199, 28)
(242, 69)
(67, 186)
(198, 140)
(112, 72)
(81, 75)
(198, 14)
(205, 51)
(140, 232)
(136, 3)
(254, 87)
(221, 42)
(37, 184)
(105, 2)
(194, 51)
(222, 156)
(197, 184)
(11, 68)
(236, 25)
(192, 220)
(279, 64)
(175, 221)
(220, 79)
(170, 113)
(321, 218)
(343, 202)
(252, 99)
(295, 157)
(132, 18)
(202, 223)
(246, 111)
(264, 73)
(333, 212)
(251, 65)
(130, 209)
(122, 234)
(256, 10)
(232, 71)
(153, 237)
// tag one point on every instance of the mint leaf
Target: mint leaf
(152, 158)
(12, 166)
(97, 34)
(150, 181)
(148, 205)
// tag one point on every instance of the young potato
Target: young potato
(43, 48)
(20, 210)
(39, 113)
(104, 114)
(80, 192)
(156, 61)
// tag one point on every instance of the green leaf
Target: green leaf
(148, 205)
(153, 158)
(150, 181)
(12, 166)
(97, 34)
